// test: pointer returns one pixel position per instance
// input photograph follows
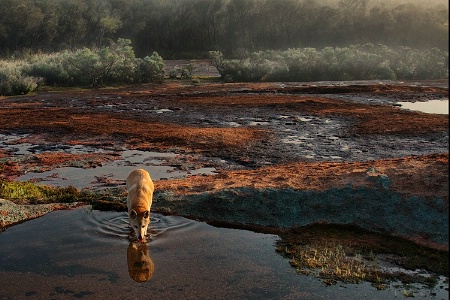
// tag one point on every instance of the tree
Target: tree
(108, 25)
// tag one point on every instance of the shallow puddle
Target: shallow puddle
(86, 254)
(431, 106)
(113, 173)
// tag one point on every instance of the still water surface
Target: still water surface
(130, 160)
(430, 106)
(86, 254)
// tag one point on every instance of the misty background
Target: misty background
(191, 28)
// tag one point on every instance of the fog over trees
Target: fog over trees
(191, 28)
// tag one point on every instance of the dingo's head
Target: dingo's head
(140, 264)
(139, 222)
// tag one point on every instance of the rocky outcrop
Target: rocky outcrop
(406, 197)
(416, 218)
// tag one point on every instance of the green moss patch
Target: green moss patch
(32, 193)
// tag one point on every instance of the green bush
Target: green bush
(415, 64)
(110, 65)
(115, 64)
(13, 81)
(50, 67)
(356, 62)
(150, 69)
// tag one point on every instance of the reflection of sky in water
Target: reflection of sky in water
(431, 106)
(83, 254)
(82, 178)
(115, 171)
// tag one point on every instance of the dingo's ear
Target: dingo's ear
(146, 213)
(133, 214)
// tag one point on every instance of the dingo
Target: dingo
(140, 264)
(139, 201)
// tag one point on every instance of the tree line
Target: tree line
(192, 28)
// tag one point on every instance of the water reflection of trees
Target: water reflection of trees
(140, 264)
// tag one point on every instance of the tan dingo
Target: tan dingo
(140, 264)
(139, 201)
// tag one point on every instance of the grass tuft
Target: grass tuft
(331, 263)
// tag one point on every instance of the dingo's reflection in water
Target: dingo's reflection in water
(140, 264)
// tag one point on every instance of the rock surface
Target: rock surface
(11, 213)
(406, 197)
(286, 154)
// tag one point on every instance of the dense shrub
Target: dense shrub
(415, 64)
(50, 67)
(114, 64)
(13, 82)
(150, 69)
(356, 62)
(109, 65)
(117, 63)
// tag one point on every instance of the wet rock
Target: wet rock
(11, 213)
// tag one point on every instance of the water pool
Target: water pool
(86, 254)
(430, 106)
